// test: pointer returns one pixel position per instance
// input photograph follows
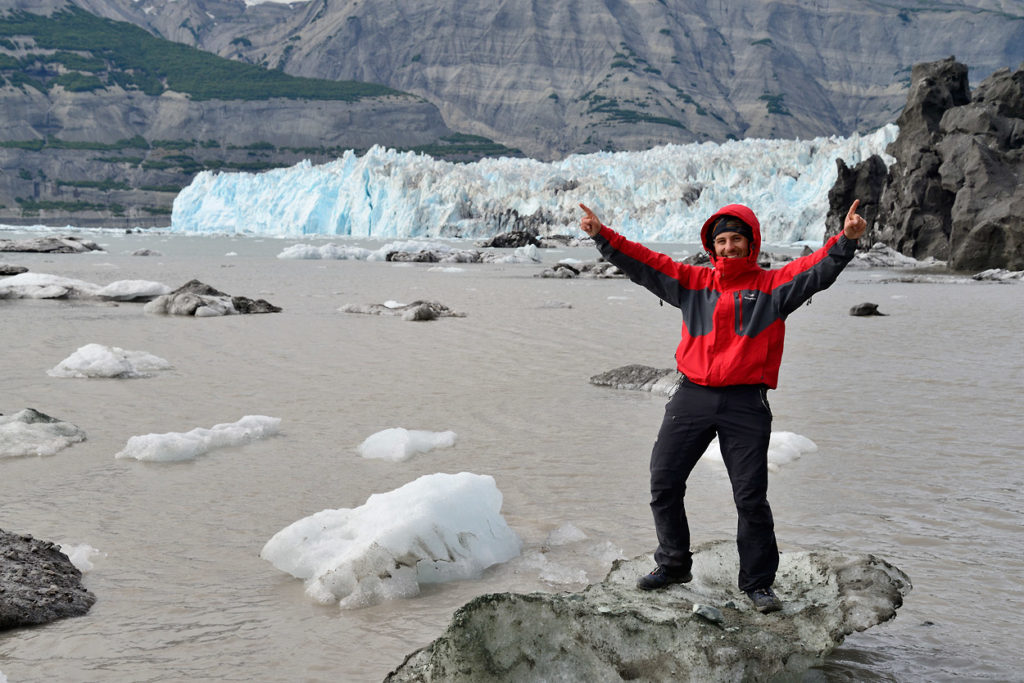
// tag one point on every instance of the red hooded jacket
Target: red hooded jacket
(734, 313)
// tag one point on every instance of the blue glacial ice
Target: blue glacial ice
(660, 194)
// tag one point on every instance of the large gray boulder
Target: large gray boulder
(955, 191)
(38, 583)
(702, 631)
(637, 377)
(199, 299)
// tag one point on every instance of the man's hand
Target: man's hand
(590, 223)
(854, 226)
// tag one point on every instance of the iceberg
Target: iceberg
(661, 194)
(437, 528)
(97, 360)
(398, 444)
(29, 432)
(783, 448)
(178, 446)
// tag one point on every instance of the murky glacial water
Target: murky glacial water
(917, 417)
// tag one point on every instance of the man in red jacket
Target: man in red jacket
(734, 317)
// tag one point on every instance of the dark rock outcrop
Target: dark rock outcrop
(524, 254)
(866, 182)
(199, 299)
(511, 240)
(51, 245)
(567, 271)
(956, 189)
(38, 583)
(702, 631)
(865, 309)
(638, 377)
(8, 269)
(417, 311)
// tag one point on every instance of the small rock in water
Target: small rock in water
(416, 311)
(865, 309)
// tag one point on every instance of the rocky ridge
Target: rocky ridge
(86, 134)
(586, 75)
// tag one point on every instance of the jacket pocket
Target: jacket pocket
(764, 402)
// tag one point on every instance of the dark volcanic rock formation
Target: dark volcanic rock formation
(702, 631)
(38, 583)
(956, 190)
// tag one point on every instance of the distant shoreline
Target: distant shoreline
(116, 222)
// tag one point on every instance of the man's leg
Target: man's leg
(744, 431)
(685, 433)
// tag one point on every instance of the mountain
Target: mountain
(103, 119)
(94, 130)
(555, 78)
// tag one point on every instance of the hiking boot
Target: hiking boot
(662, 577)
(764, 600)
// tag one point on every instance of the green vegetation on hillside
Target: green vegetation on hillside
(463, 145)
(775, 104)
(118, 53)
(616, 112)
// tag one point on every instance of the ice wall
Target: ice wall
(661, 194)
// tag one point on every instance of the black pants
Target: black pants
(742, 419)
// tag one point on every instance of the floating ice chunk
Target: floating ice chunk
(326, 251)
(554, 572)
(81, 555)
(783, 448)
(567, 533)
(607, 552)
(527, 254)
(96, 360)
(398, 444)
(133, 290)
(29, 432)
(173, 446)
(43, 286)
(440, 527)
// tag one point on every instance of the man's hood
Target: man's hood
(745, 214)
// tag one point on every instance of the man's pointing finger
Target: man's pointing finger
(853, 208)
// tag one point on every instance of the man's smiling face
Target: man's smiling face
(731, 245)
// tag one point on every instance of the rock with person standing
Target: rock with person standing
(704, 630)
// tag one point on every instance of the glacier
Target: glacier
(663, 194)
